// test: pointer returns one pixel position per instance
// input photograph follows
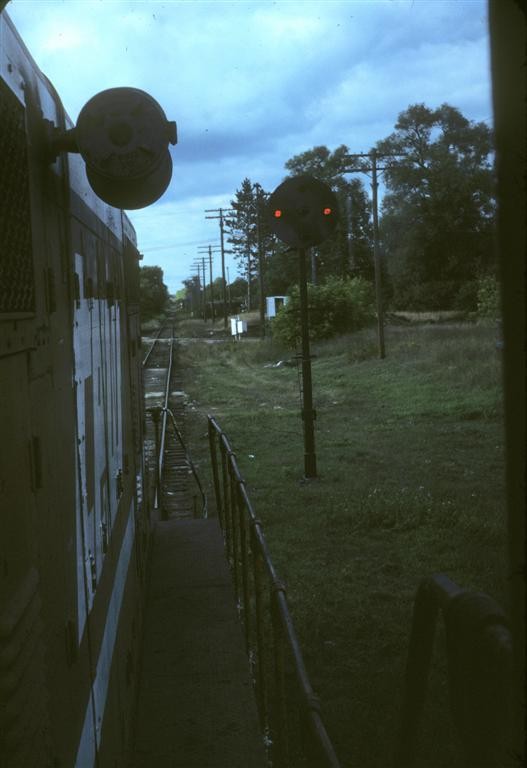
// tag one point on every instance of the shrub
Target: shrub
(436, 295)
(488, 301)
(338, 306)
(431, 296)
(467, 296)
(153, 295)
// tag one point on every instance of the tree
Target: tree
(438, 214)
(281, 270)
(193, 298)
(217, 289)
(340, 305)
(153, 291)
(237, 293)
(249, 232)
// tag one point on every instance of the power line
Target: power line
(209, 249)
(173, 245)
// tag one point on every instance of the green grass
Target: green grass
(411, 482)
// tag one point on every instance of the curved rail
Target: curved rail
(164, 409)
(160, 415)
(147, 356)
(190, 463)
(283, 691)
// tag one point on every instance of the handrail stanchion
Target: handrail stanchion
(420, 650)
(246, 603)
(233, 495)
(155, 414)
(260, 631)
(244, 541)
(280, 724)
(479, 652)
(215, 475)
(225, 498)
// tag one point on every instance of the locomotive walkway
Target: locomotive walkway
(196, 707)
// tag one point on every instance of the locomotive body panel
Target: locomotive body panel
(71, 455)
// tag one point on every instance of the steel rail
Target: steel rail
(164, 409)
(271, 639)
(162, 414)
(189, 461)
(161, 447)
(147, 356)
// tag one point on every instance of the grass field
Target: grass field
(411, 482)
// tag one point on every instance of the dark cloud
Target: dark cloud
(251, 84)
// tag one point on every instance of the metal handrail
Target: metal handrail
(479, 657)
(164, 408)
(268, 626)
(156, 412)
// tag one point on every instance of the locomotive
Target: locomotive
(75, 513)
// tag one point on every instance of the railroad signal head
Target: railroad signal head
(303, 211)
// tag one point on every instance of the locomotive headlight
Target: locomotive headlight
(123, 136)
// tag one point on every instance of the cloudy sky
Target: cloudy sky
(251, 84)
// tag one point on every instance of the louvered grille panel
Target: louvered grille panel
(17, 288)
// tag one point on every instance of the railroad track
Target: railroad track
(178, 492)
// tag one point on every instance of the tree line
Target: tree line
(436, 219)
(436, 222)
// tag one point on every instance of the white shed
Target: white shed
(274, 303)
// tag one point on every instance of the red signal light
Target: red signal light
(327, 211)
(277, 213)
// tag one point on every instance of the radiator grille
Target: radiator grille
(17, 288)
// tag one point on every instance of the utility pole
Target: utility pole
(259, 195)
(308, 412)
(221, 213)
(377, 256)
(373, 156)
(314, 255)
(229, 290)
(211, 288)
(208, 249)
(349, 211)
(197, 265)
